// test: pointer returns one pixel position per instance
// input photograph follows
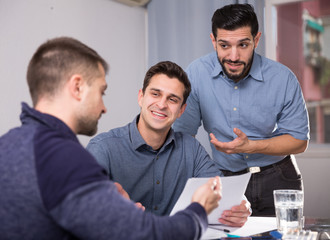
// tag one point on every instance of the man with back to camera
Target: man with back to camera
(51, 187)
(150, 160)
(252, 107)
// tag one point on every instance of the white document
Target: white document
(233, 189)
(254, 225)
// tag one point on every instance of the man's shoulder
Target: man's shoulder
(185, 138)
(208, 60)
(200, 70)
(61, 145)
(62, 161)
(115, 133)
(276, 67)
(14, 134)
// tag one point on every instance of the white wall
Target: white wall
(115, 31)
(314, 167)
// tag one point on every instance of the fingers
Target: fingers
(215, 141)
(217, 184)
(217, 188)
(239, 133)
(213, 137)
(243, 207)
(241, 144)
(125, 195)
(209, 194)
(119, 187)
(242, 210)
(121, 190)
(217, 144)
(237, 215)
(226, 147)
(232, 221)
(139, 205)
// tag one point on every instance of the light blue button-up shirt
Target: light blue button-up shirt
(267, 103)
(154, 178)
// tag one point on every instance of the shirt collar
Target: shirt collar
(31, 115)
(217, 67)
(138, 142)
(136, 138)
(255, 71)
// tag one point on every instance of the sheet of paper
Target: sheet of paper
(254, 225)
(233, 189)
(213, 234)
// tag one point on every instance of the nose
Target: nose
(104, 109)
(162, 103)
(234, 54)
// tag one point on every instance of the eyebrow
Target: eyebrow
(171, 95)
(242, 40)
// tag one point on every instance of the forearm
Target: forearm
(276, 146)
(98, 212)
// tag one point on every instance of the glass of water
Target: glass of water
(289, 206)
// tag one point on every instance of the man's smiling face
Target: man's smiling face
(161, 104)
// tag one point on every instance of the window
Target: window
(297, 33)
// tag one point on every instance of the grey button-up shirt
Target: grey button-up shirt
(154, 178)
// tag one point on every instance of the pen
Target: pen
(214, 184)
(220, 229)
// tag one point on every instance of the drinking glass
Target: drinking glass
(289, 206)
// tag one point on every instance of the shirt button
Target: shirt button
(246, 156)
(158, 182)
(157, 158)
(235, 87)
(155, 208)
(235, 109)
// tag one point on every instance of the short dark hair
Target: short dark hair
(56, 60)
(234, 16)
(172, 70)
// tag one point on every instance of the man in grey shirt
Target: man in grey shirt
(149, 159)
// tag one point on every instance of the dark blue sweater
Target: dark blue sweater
(52, 188)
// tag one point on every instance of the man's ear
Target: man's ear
(256, 40)
(140, 97)
(76, 87)
(214, 42)
(183, 107)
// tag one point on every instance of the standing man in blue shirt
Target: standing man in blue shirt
(252, 107)
(51, 187)
(149, 159)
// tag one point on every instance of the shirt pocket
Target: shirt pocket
(260, 120)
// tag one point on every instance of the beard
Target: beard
(238, 75)
(87, 126)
